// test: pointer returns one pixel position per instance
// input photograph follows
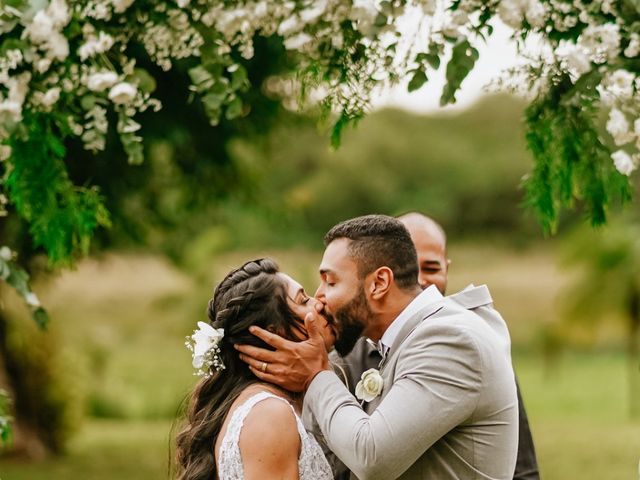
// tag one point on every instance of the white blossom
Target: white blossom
(40, 28)
(618, 127)
(363, 13)
(297, 41)
(5, 253)
(59, 13)
(633, 49)
(575, 60)
(453, 22)
(620, 84)
(32, 300)
(314, 12)
(120, 6)
(512, 12)
(601, 42)
(100, 81)
(58, 46)
(291, 25)
(42, 65)
(5, 152)
(429, 7)
(11, 110)
(624, 162)
(47, 99)
(536, 14)
(123, 92)
(95, 45)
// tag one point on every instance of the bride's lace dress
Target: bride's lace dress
(312, 465)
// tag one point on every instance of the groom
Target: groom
(444, 403)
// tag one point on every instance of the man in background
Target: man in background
(430, 241)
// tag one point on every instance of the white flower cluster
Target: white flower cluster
(75, 71)
(175, 39)
(620, 90)
(597, 39)
(515, 12)
(204, 346)
(344, 49)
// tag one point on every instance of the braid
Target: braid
(250, 295)
(234, 279)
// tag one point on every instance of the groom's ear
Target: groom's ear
(380, 282)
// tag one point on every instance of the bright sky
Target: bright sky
(495, 56)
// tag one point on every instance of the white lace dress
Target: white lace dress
(312, 464)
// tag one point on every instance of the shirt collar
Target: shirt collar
(427, 297)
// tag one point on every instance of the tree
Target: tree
(158, 204)
(608, 287)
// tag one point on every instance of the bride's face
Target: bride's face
(300, 304)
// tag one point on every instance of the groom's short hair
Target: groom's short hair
(379, 241)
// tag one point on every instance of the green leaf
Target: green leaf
(380, 21)
(201, 78)
(61, 216)
(418, 80)
(463, 58)
(145, 81)
(239, 78)
(213, 101)
(234, 109)
(41, 317)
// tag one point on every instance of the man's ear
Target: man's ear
(380, 282)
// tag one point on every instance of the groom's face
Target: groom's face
(342, 293)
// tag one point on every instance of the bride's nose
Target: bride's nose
(316, 304)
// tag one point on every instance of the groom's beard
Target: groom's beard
(350, 321)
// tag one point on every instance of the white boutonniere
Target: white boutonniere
(370, 385)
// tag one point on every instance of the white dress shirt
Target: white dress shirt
(427, 297)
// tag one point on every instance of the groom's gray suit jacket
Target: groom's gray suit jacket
(448, 408)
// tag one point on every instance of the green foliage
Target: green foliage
(18, 278)
(5, 419)
(571, 162)
(463, 58)
(62, 216)
(464, 169)
(607, 261)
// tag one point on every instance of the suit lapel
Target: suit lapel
(472, 297)
(408, 327)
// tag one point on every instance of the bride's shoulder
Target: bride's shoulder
(270, 429)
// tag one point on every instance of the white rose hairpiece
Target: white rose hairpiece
(205, 347)
(370, 385)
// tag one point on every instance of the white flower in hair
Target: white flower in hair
(204, 345)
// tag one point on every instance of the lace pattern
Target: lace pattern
(312, 464)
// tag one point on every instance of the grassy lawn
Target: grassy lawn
(124, 318)
(578, 415)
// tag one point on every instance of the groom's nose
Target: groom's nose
(320, 293)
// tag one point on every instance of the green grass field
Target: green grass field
(123, 320)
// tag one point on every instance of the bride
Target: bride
(237, 426)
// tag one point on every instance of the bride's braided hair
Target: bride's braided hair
(252, 294)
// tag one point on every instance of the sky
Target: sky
(498, 54)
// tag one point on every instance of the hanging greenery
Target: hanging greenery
(67, 70)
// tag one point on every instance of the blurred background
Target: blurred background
(97, 393)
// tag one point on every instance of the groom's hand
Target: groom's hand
(293, 365)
